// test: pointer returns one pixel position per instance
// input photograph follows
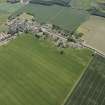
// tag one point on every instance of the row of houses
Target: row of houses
(4, 36)
(41, 30)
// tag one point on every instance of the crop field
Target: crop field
(91, 88)
(84, 4)
(2, 1)
(33, 72)
(6, 10)
(94, 32)
(65, 17)
(10, 8)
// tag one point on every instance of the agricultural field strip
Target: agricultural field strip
(76, 83)
(6, 9)
(89, 89)
(92, 83)
(93, 30)
(81, 79)
(57, 14)
(95, 90)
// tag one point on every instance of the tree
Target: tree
(78, 35)
(61, 52)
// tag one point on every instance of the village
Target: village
(26, 23)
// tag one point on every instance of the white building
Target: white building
(24, 1)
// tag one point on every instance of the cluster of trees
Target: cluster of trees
(13, 1)
(98, 10)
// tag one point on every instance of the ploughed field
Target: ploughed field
(33, 72)
(91, 88)
(94, 33)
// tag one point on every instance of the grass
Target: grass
(33, 72)
(91, 88)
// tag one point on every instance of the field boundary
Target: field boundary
(76, 83)
(95, 50)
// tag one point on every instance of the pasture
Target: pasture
(94, 32)
(91, 88)
(33, 72)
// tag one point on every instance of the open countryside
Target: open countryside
(46, 52)
(91, 88)
(69, 19)
(37, 72)
(94, 32)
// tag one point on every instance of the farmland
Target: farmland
(33, 72)
(94, 32)
(91, 88)
(84, 4)
(65, 17)
(52, 2)
(68, 18)
(35, 69)
(6, 10)
(2, 1)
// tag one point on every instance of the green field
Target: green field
(65, 17)
(6, 9)
(91, 88)
(2, 1)
(84, 4)
(33, 72)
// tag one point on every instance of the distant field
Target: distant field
(10, 8)
(65, 17)
(33, 72)
(84, 4)
(94, 32)
(6, 10)
(91, 88)
(51, 2)
(2, 1)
